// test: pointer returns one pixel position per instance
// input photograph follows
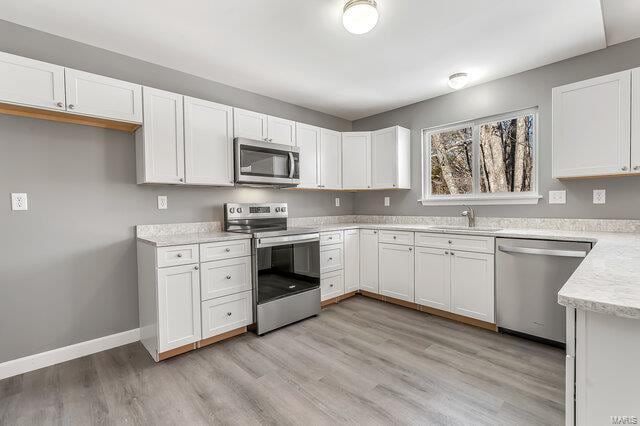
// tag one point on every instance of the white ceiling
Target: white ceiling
(298, 51)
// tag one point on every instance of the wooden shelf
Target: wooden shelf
(65, 117)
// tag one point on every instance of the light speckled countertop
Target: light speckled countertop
(191, 238)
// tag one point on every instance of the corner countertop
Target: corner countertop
(607, 281)
(191, 238)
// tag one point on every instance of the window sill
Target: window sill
(482, 201)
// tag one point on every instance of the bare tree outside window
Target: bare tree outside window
(451, 162)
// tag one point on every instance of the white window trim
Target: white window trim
(478, 198)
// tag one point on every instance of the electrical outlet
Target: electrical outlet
(162, 202)
(19, 201)
(387, 202)
(599, 196)
(337, 201)
(558, 197)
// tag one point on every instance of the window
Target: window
(486, 161)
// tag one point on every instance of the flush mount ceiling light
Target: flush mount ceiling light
(360, 16)
(458, 80)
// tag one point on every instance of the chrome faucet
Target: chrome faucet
(470, 214)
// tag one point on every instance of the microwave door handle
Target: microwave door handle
(292, 165)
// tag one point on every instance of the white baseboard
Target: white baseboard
(56, 356)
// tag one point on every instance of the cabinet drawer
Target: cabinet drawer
(225, 250)
(331, 258)
(473, 243)
(327, 238)
(396, 237)
(177, 255)
(226, 313)
(331, 285)
(225, 277)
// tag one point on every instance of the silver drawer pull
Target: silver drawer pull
(228, 277)
(330, 285)
(446, 252)
(331, 238)
(450, 241)
(410, 248)
(227, 249)
(394, 237)
(228, 314)
(331, 258)
(179, 255)
(292, 286)
(196, 268)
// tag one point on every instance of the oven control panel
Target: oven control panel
(255, 210)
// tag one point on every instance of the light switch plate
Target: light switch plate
(162, 202)
(337, 201)
(387, 202)
(599, 196)
(558, 197)
(19, 201)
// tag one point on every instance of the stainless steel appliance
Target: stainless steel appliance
(259, 163)
(286, 263)
(529, 274)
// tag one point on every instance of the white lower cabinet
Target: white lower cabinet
(432, 278)
(226, 313)
(472, 285)
(178, 306)
(351, 260)
(331, 285)
(396, 269)
(369, 260)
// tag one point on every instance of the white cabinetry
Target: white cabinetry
(28, 82)
(635, 121)
(390, 158)
(249, 124)
(160, 142)
(208, 143)
(396, 269)
(330, 159)
(351, 260)
(331, 285)
(432, 278)
(592, 127)
(472, 285)
(369, 260)
(281, 131)
(356, 160)
(308, 140)
(104, 97)
(226, 313)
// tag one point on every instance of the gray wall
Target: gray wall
(531, 88)
(68, 265)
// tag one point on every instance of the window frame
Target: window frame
(476, 197)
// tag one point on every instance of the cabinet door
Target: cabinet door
(472, 285)
(178, 306)
(351, 260)
(160, 142)
(330, 159)
(384, 158)
(635, 122)
(432, 278)
(249, 124)
(369, 260)
(33, 83)
(396, 268)
(591, 127)
(99, 96)
(208, 142)
(281, 131)
(308, 140)
(356, 160)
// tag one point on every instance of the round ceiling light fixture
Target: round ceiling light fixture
(360, 16)
(458, 80)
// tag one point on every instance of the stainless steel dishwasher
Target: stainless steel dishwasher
(529, 274)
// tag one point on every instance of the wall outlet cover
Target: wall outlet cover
(337, 201)
(19, 201)
(599, 196)
(387, 201)
(162, 202)
(558, 197)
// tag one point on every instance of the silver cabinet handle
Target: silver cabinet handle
(331, 258)
(449, 241)
(196, 268)
(446, 252)
(71, 106)
(181, 179)
(330, 285)
(452, 254)
(624, 168)
(59, 104)
(228, 314)
(410, 248)
(179, 255)
(228, 277)
(394, 237)
(331, 238)
(542, 252)
(375, 232)
(227, 249)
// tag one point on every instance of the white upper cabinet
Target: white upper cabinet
(390, 158)
(104, 97)
(396, 269)
(369, 260)
(208, 142)
(308, 140)
(160, 142)
(249, 124)
(281, 131)
(635, 122)
(356, 160)
(32, 83)
(591, 127)
(330, 159)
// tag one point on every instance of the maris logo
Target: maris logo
(624, 420)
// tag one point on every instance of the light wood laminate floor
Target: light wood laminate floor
(359, 362)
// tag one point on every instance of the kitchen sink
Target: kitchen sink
(464, 228)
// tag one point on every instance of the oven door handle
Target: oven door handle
(292, 165)
(287, 239)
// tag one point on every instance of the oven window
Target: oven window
(264, 162)
(287, 269)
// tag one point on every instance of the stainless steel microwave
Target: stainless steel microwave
(266, 164)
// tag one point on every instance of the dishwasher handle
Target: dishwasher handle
(542, 252)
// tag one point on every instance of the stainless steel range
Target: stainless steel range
(286, 263)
